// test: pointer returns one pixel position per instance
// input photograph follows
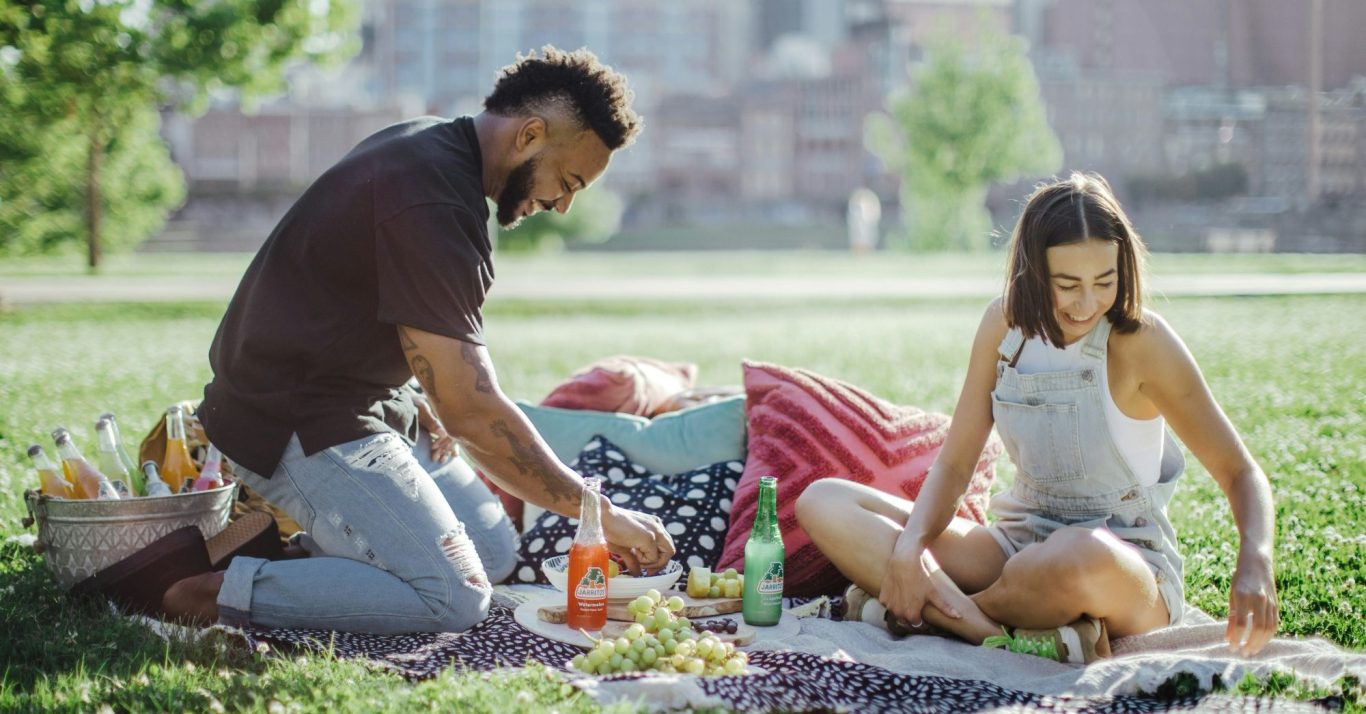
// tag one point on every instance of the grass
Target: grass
(1290, 372)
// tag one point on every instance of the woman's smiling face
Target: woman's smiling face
(1084, 278)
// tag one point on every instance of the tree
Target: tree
(594, 218)
(81, 83)
(970, 119)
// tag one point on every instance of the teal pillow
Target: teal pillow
(668, 444)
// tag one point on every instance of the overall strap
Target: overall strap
(1012, 346)
(1098, 340)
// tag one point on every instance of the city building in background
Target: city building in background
(1225, 124)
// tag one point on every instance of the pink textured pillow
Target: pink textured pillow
(804, 427)
(634, 385)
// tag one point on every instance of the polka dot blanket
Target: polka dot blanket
(791, 680)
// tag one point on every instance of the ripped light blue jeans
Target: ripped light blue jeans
(399, 543)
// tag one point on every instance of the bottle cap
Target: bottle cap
(35, 450)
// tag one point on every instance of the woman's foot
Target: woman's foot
(1081, 642)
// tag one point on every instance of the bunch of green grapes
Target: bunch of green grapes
(661, 641)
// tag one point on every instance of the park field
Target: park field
(1289, 371)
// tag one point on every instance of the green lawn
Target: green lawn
(1290, 372)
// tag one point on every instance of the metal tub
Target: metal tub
(81, 537)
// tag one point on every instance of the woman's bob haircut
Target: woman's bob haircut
(1079, 208)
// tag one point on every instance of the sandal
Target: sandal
(255, 535)
(1081, 642)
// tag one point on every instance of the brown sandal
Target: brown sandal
(255, 535)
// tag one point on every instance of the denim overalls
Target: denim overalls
(1069, 471)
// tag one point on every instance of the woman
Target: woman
(1080, 382)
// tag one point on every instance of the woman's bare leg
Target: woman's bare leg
(857, 527)
(1076, 572)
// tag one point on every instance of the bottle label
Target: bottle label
(593, 585)
(772, 581)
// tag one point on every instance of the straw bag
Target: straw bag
(153, 448)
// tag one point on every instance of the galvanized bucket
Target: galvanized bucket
(82, 537)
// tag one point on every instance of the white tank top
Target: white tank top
(1139, 440)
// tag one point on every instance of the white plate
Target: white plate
(525, 615)
(619, 588)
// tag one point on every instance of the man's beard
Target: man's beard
(516, 190)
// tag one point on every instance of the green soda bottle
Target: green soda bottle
(763, 599)
(135, 479)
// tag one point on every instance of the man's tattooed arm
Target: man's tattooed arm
(482, 382)
(524, 459)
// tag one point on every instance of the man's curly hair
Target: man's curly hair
(595, 93)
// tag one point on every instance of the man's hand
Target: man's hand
(444, 447)
(640, 539)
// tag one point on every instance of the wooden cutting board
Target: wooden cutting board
(692, 608)
(744, 634)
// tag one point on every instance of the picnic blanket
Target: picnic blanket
(830, 665)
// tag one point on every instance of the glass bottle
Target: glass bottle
(50, 478)
(177, 468)
(211, 476)
(155, 486)
(762, 603)
(106, 456)
(93, 483)
(586, 588)
(130, 467)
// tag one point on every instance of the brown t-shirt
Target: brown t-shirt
(395, 233)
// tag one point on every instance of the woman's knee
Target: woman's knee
(1078, 558)
(819, 499)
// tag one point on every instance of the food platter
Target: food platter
(622, 587)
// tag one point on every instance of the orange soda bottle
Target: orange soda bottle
(587, 584)
(53, 483)
(92, 483)
(177, 468)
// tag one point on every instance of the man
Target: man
(377, 274)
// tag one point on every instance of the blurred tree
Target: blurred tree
(594, 218)
(81, 84)
(970, 119)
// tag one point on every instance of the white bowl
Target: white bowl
(620, 587)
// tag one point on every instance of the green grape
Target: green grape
(671, 646)
(638, 646)
(696, 666)
(715, 578)
(734, 666)
(685, 648)
(678, 661)
(628, 666)
(667, 634)
(632, 656)
(642, 604)
(653, 595)
(649, 657)
(675, 603)
(704, 646)
(634, 632)
(621, 645)
(684, 623)
(688, 634)
(730, 574)
(596, 657)
(662, 618)
(579, 662)
(643, 618)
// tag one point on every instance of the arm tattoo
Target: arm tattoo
(405, 339)
(524, 459)
(426, 376)
(470, 354)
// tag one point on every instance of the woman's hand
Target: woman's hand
(908, 586)
(1252, 605)
(444, 447)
